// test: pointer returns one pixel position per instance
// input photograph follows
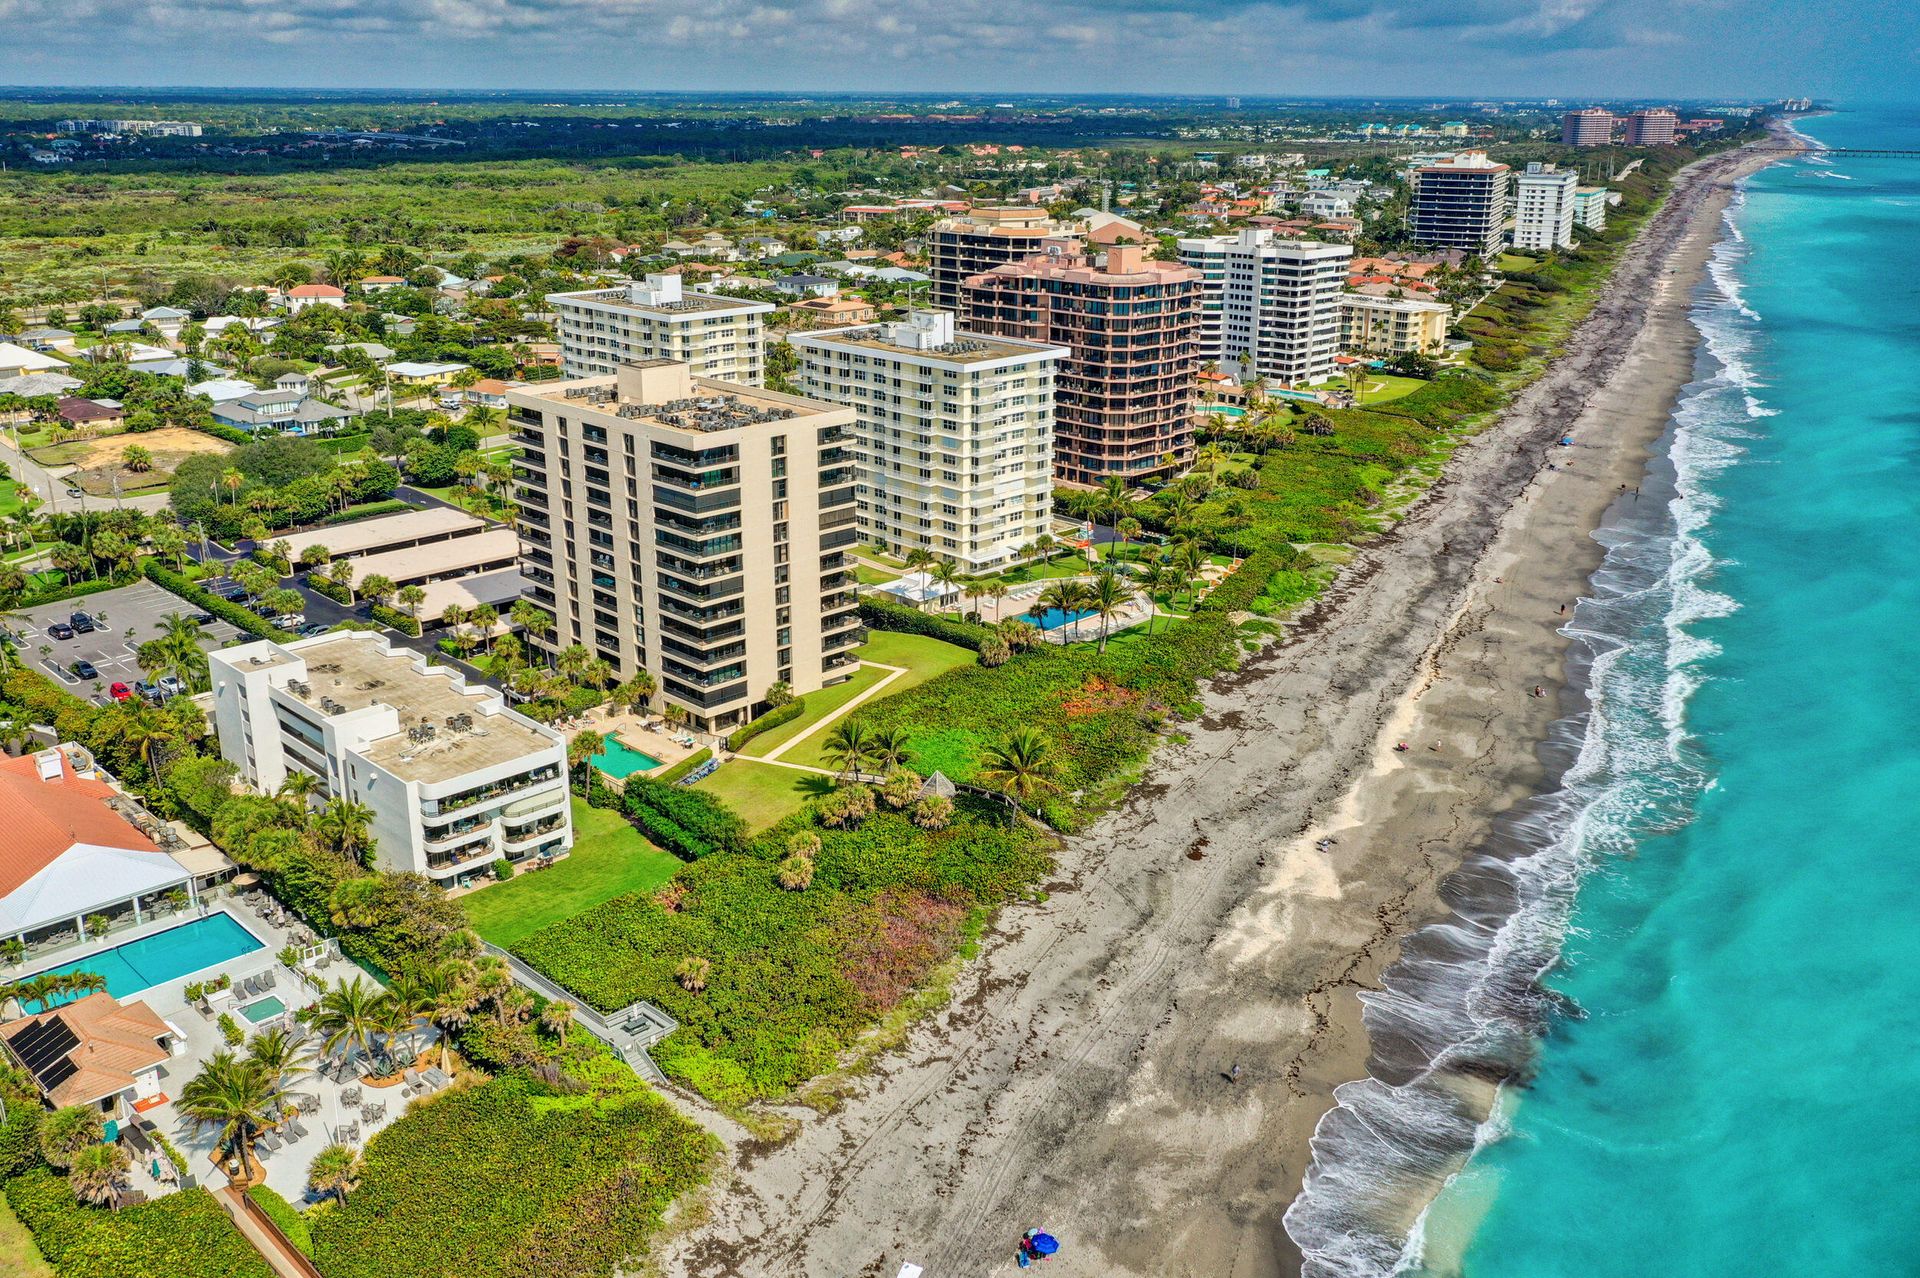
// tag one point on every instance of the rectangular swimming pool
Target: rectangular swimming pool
(1054, 618)
(167, 956)
(619, 760)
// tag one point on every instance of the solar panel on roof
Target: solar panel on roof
(43, 1049)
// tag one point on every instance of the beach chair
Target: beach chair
(266, 980)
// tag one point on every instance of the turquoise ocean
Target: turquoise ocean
(1699, 955)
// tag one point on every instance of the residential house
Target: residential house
(92, 413)
(96, 1052)
(16, 361)
(834, 311)
(421, 372)
(488, 392)
(291, 410)
(382, 283)
(808, 285)
(301, 296)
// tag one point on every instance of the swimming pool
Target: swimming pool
(1054, 618)
(167, 956)
(263, 1009)
(619, 760)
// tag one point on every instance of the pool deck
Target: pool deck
(657, 741)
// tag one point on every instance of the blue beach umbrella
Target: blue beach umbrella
(1046, 1244)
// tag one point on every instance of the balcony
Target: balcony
(699, 548)
(697, 503)
(703, 658)
(523, 785)
(703, 592)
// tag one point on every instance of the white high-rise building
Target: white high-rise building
(954, 433)
(1543, 207)
(718, 337)
(1273, 299)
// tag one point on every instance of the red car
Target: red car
(120, 692)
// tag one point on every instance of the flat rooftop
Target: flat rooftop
(363, 536)
(411, 563)
(687, 303)
(500, 588)
(353, 674)
(966, 348)
(713, 405)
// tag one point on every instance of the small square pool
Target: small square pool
(263, 1009)
(619, 760)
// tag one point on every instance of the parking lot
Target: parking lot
(126, 618)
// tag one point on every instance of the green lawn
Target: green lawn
(1391, 387)
(819, 705)
(610, 858)
(763, 793)
(873, 576)
(923, 658)
(19, 1258)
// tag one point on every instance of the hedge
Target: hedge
(391, 506)
(771, 719)
(205, 600)
(881, 615)
(76, 590)
(512, 1178)
(332, 590)
(684, 822)
(285, 1216)
(399, 620)
(686, 765)
(183, 1235)
(232, 434)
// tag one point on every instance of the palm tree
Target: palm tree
(556, 1016)
(996, 591)
(411, 597)
(378, 588)
(850, 743)
(1107, 598)
(448, 993)
(572, 661)
(335, 1170)
(585, 744)
(282, 1053)
(887, 748)
(948, 574)
(136, 459)
(231, 479)
(348, 1015)
(98, 1174)
(67, 1131)
(1021, 767)
(146, 729)
(299, 787)
(345, 827)
(534, 620)
(408, 999)
(236, 1096)
(484, 618)
(918, 558)
(636, 692)
(1069, 596)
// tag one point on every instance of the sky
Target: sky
(1858, 50)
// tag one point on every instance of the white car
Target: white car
(290, 621)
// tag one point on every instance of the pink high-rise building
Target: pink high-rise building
(1591, 127)
(1651, 128)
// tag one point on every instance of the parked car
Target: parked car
(232, 594)
(202, 618)
(120, 692)
(82, 624)
(84, 669)
(171, 685)
(151, 691)
(313, 628)
(60, 630)
(290, 621)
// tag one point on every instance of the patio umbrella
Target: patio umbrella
(1045, 1244)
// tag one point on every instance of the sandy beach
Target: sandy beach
(1079, 1078)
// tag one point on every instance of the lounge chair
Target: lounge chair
(298, 1129)
(270, 1142)
(266, 980)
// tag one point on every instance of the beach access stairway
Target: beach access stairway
(629, 1031)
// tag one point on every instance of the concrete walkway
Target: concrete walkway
(283, 1259)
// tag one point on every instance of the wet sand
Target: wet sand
(1079, 1078)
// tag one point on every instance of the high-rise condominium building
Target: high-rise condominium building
(985, 238)
(1460, 202)
(1123, 399)
(602, 328)
(692, 528)
(1543, 207)
(1591, 127)
(1653, 127)
(955, 433)
(1278, 302)
(455, 780)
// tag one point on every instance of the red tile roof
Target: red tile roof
(45, 818)
(116, 1042)
(314, 290)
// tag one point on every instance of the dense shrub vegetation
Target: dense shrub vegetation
(183, 1235)
(686, 823)
(882, 614)
(511, 1179)
(793, 975)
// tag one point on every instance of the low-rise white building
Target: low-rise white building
(717, 337)
(1590, 207)
(455, 779)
